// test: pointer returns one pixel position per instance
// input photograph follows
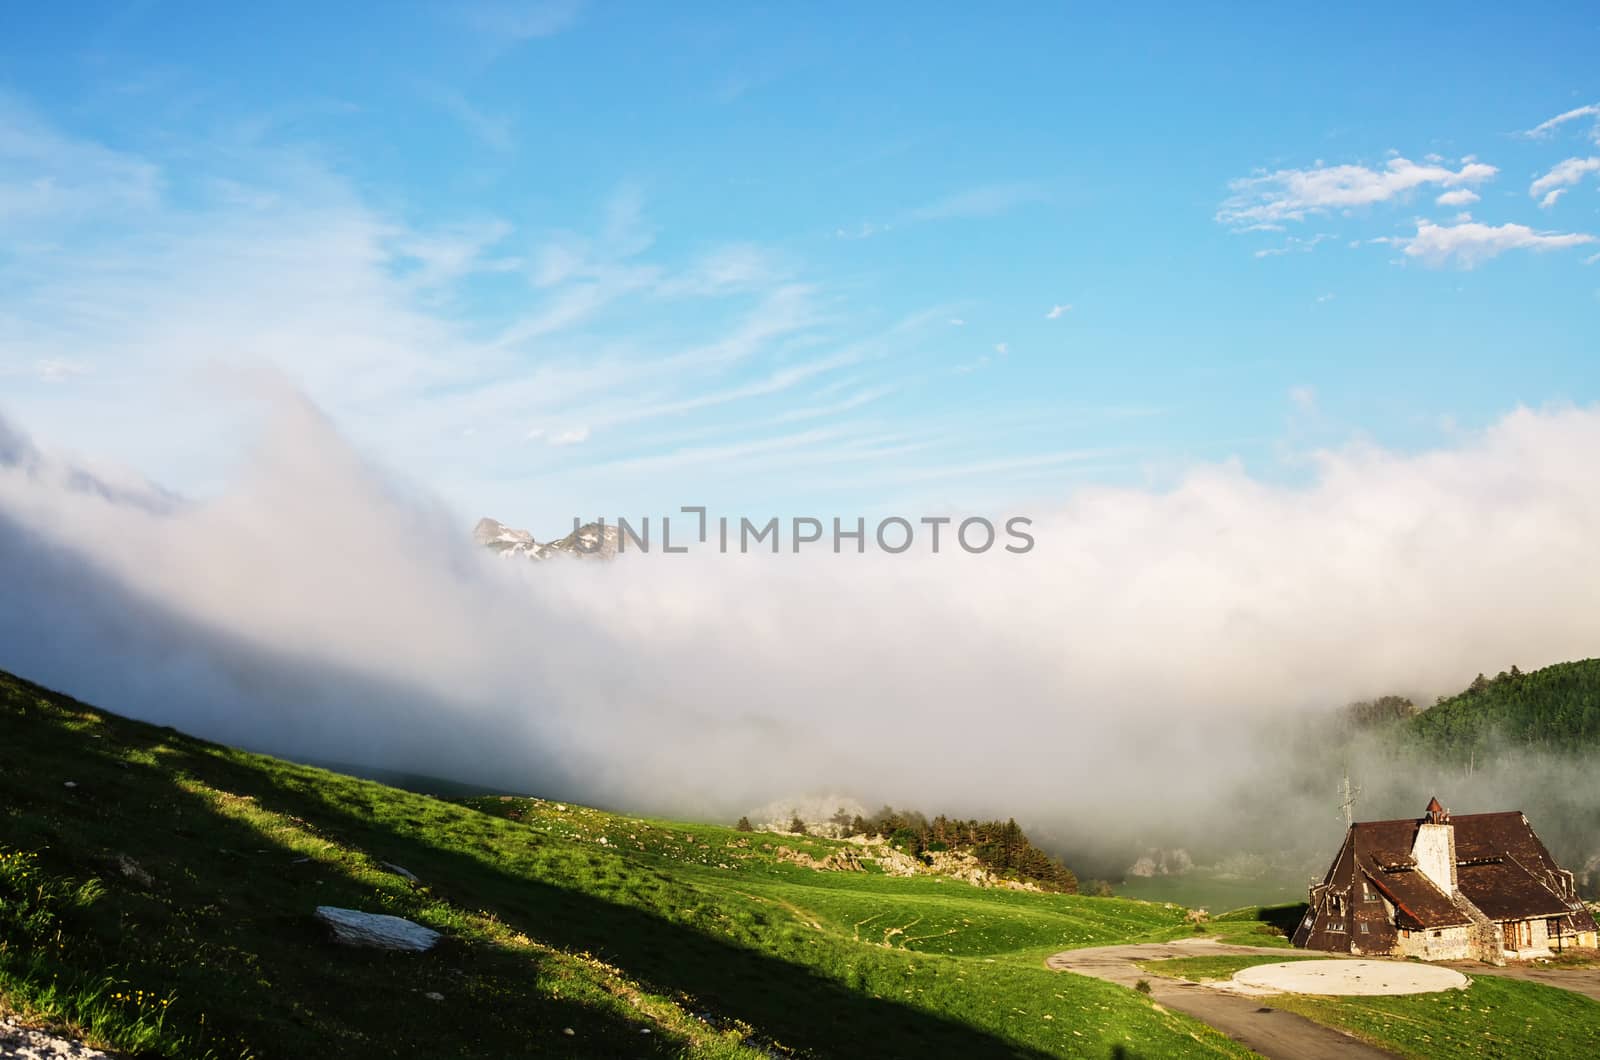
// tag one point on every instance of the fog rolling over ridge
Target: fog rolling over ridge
(1126, 682)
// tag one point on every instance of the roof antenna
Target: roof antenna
(1347, 798)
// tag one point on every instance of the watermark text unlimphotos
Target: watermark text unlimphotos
(893, 534)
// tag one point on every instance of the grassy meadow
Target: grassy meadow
(156, 894)
(1197, 889)
(1493, 1018)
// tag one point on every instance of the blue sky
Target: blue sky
(562, 258)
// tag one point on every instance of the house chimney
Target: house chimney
(1435, 848)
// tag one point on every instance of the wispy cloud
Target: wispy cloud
(57, 370)
(1056, 312)
(1563, 175)
(1006, 464)
(580, 276)
(492, 130)
(732, 269)
(732, 452)
(865, 230)
(1293, 194)
(1294, 245)
(49, 176)
(571, 436)
(588, 335)
(1473, 243)
(990, 200)
(559, 438)
(848, 404)
(1546, 128)
(573, 305)
(1459, 197)
(442, 257)
(515, 21)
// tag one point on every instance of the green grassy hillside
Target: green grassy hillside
(1556, 708)
(156, 894)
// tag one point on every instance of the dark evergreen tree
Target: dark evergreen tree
(1557, 707)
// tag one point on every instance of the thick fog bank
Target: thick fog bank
(1126, 682)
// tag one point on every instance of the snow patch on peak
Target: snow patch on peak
(589, 540)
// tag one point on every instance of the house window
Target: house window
(1438, 934)
(1405, 933)
(1364, 927)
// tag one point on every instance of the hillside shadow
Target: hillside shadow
(340, 999)
(789, 1005)
(1284, 917)
(198, 906)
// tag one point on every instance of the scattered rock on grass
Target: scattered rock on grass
(404, 874)
(376, 930)
(134, 871)
(34, 1045)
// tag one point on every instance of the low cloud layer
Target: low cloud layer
(1123, 681)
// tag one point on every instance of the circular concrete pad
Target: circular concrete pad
(1350, 977)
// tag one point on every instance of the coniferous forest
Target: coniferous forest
(1556, 709)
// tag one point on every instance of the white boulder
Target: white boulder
(354, 928)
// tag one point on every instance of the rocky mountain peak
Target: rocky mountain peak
(589, 541)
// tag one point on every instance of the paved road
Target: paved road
(1271, 1032)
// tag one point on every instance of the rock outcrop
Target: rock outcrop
(589, 541)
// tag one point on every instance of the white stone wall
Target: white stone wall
(1436, 944)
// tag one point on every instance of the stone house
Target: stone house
(1479, 886)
